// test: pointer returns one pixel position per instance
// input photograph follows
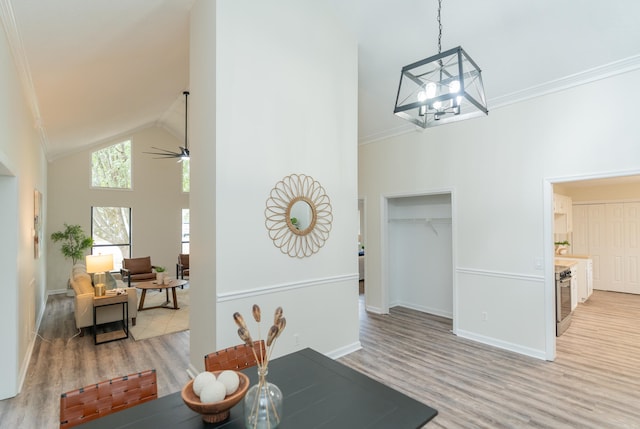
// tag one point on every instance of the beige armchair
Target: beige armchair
(137, 270)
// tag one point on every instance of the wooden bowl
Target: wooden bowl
(214, 412)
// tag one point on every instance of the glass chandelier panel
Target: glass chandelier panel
(444, 88)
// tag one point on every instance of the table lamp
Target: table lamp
(98, 265)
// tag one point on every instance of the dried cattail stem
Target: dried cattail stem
(245, 336)
(277, 315)
(239, 320)
(256, 312)
(273, 333)
(282, 323)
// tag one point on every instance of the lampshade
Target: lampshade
(99, 263)
(443, 88)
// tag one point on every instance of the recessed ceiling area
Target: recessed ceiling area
(94, 70)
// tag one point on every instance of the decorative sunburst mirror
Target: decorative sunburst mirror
(298, 215)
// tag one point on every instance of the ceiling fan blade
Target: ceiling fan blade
(184, 151)
(163, 151)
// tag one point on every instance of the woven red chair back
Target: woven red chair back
(236, 357)
(97, 400)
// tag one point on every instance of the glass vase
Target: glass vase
(263, 403)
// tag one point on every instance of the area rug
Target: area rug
(161, 321)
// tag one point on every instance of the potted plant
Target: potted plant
(160, 273)
(562, 247)
(74, 243)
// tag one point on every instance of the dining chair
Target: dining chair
(236, 357)
(106, 397)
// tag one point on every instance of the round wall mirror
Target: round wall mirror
(301, 216)
(298, 215)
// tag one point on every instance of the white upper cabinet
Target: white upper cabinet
(562, 214)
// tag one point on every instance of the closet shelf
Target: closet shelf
(429, 221)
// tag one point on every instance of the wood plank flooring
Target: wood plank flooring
(594, 382)
(62, 362)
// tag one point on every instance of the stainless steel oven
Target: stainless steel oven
(563, 298)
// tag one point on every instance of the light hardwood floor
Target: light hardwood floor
(594, 382)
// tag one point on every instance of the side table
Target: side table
(103, 301)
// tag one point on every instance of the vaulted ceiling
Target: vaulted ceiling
(94, 70)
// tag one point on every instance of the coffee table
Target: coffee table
(173, 284)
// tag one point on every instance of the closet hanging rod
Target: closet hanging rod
(420, 219)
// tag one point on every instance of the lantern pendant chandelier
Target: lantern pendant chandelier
(443, 88)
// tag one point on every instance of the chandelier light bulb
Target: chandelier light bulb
(430, 89)
(454, 86)
(422, 96)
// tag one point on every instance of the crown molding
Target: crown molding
(22, 66)
(587, 76)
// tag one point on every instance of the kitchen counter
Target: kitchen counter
(573, 256)
(560, 260)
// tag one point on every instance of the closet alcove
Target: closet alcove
(420, 253)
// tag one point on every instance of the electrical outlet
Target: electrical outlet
(484, 316)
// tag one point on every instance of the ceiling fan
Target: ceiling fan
(184, 150)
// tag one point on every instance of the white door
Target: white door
(632, 247)
(597, 246)
(580, 239)
(613, 237)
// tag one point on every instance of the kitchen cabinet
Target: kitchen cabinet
(582, 272)
(562, 214)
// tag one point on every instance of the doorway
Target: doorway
(604, 226)
(361, 250)
(419, 253)
(9, 303)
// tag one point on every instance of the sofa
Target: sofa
(83, 300)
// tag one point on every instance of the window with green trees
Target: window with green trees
(111, 166)
(185, 175)
(111, 232)
(185, 231)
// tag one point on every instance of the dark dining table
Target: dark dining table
(318, 393)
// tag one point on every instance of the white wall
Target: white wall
(498, 166)
(156, 200)
(22, 170)
(285, 102)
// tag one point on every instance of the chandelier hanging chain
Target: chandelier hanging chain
(439, 28)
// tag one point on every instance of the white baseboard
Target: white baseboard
(27, 357)
(425, 309)
(376, 310)
(192, 371)
(343, 351)
(527, 351)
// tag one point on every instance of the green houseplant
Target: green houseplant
(74, 242)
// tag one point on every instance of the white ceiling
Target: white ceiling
(102, 68)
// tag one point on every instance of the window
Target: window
(186, 170)
(111, 166)
(111, 233)
(185, 231)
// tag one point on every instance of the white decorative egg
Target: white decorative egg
(230, 380)
(202, 380)
(213, 392)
